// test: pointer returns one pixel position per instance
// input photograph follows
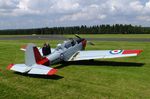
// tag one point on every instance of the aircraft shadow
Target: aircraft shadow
(53, 77)
(100, 63)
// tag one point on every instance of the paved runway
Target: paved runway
(59, 37)
(121, 39)
(36, 37)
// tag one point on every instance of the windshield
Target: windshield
(59, 46)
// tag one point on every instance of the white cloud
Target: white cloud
(136, 6)
(75, 11)
(90, 12)
(144, 18)
(147, 7)
(145, 13)
(65, 5)
(8, 4)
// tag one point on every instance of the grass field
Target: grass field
(123, 78)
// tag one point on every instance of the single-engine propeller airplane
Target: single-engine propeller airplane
(70, 50)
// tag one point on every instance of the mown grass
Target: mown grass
(100, 79)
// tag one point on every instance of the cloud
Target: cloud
(63, 6)
(145, 13)
(136, 6)
(147, 7)
(106, 9)
(8, 4)
(90, 12)
(72, 12)
(144, 18)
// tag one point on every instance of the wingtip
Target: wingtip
(132, 52)
(23, 48)
(139, 51)
(10, 66)
(52, 72)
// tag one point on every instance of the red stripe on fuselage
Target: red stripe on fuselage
(44, 61)
(39, 59)
(131, 51)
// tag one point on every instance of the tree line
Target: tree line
(96, 29)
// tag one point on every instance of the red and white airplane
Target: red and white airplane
(70, 50)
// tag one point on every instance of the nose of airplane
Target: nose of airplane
(84, 43)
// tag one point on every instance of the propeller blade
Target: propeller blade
(91, 43)
(77, 36)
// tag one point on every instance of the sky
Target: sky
(18, 14)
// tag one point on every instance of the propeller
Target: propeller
(89, 42)
(78, 36)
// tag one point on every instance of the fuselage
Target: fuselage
(66, 50)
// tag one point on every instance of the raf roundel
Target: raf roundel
(115, 51)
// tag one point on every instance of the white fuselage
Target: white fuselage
(65, 51)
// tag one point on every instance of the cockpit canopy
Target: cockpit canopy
(69, 43)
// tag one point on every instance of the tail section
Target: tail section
(30, 54)
(34, 63)
(33, 56)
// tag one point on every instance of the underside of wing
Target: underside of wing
(35, 69)
(87, 55)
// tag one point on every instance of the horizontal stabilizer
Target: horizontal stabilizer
(35, 69)
(42, 70)
(22, 68)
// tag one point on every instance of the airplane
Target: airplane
(70, 50)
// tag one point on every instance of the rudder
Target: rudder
(32, 55)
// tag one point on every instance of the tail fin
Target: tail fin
(34, 63)
(32, 55)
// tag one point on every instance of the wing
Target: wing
(23, 48)
(35, 69)
(86, 55)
